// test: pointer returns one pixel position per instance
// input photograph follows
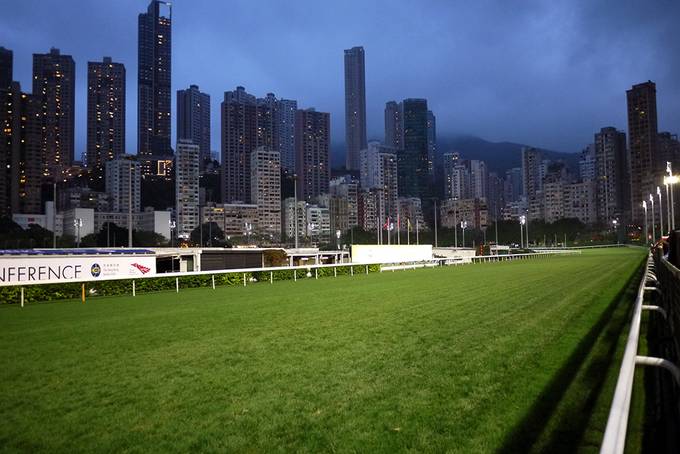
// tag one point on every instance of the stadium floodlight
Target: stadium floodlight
(671, 180)
(651, 200)
(658, 192)
(644, 205)
(522, 221)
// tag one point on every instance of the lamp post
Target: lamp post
(651, 200)
(249, 229)
(658, 192)
(671, 179)
(644, 205)
(463, 226)
(615, 223)
(435, 222)
(337, 238)
(668, 205)
(522, 221)
(78, 223)
(172, 225)
(295, 210)
(526, 230)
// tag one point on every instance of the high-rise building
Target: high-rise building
(20, 152)
(413, 159)
(312, 144)
(123, 183)
(513, 184)
(579, 201)
(186, 187)
(379, 171)
(193, 119)
(153, 84)
(355, 106)
(394, 125)
(348, 190)
(265, 181)
(6, 67)
(586, 164)
(318, 227)
(532, 172)
(450, 161)
(611, 170)
(669, 148)
(105, 114)
(285, 121)
(479, 179)
(239, 127)
(54, 80)
(642, 144)
(431, 143)
(495, 198)
(247, 123)
(289, 218)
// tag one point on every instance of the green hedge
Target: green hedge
(52, 292)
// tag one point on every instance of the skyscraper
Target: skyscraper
(193, 119)
(642, 136)
(413, 158)
(20, 152)
(394, 125)
(153, 79)
(186, 187)
(431, 143)
(105, 114)
(355, 106)
(479, 179)
(123, 183)
(54, 80)
(532, 173)
(312, 144)
(285, 121)
(265, 186)
(6, 67)
(611, 174)
(450, 161)
(239, 128)
(379, 171)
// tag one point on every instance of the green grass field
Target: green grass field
(512, 356)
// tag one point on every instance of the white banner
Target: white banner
(373, 253)
(40, 269)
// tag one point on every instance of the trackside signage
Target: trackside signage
(52, 270)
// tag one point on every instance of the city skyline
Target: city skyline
(555, 114)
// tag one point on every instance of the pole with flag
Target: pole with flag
(398, 228)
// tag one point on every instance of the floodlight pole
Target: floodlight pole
(651, 199)
(54, 218)
(658, 192)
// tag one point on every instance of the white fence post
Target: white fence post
(177, 284)
(244, 279)
(22, 297)
(213, 281)
(134, 289)
(271, 277)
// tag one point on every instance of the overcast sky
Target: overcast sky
(544, 73)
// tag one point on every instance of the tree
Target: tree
(208, 229)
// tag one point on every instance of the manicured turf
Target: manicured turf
(479, 358)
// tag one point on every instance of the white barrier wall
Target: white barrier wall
(373, 253)
(40, 269)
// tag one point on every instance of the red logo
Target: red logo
(141, 268)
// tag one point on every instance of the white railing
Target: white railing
(314, 268)
(614, 441)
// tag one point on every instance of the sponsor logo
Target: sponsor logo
(96, 270)
(141, 268)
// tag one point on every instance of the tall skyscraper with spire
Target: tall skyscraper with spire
(355, 106)
(153, 90)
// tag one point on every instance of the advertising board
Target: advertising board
(38, 269)
(373, 253)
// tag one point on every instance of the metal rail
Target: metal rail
(614, 441)
(314, 268)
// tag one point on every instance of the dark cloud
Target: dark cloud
(539, 72)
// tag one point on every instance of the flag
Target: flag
(386, 226)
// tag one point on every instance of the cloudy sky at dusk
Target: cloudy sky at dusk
(537, 72)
